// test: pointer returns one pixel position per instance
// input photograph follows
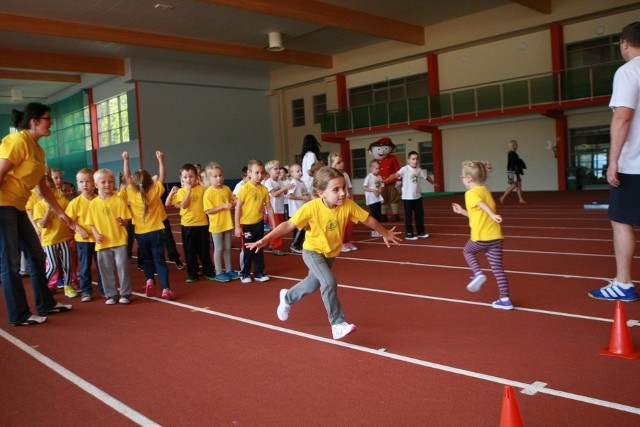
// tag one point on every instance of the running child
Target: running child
(194, 223)
(108, 216)
(147, 211)
(218, 202)
(486, 234)
(322, 245)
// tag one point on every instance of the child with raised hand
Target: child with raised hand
(55, 237)
(85, 241)
(336, 161)
(298, 196)
(252, 199)
(144, 196)
(108, 216)
(486, 234)
(195, 224)
(372, 185)
(412, 174)
(218, 202)
(277, 190)
(322, 245)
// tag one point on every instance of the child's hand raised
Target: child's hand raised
(159, 155)
(125, 155)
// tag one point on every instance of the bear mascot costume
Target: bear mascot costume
(381, 150)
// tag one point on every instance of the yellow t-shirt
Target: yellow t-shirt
(57, 231)
(155, 214)
(102, 214)
(77, 211)
(33, 199)
(220, 221)
(326, 225)
(254, 197)
(483, 228)
(193, 215)
(28, 162)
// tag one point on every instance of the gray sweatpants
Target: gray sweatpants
(320, 276)
(112, 261)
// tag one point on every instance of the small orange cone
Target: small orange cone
(510, 415)
(620, 344)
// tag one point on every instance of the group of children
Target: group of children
(326, 211)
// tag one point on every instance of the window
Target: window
(113, 121)
(426, 155)
(359, 167)
(297, 109)
(390, 90)
(319, 108)
(593, 52)
(589, 154)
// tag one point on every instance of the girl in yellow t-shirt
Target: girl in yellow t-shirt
(218, 202)
(147, 211)
(486, 235)
(327, 217)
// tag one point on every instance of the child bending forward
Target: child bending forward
(327, 217)
(486, 234)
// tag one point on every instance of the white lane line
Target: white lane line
(534, 388)
(412, 360)
(105, 398)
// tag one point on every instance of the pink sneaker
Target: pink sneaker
(352, 246)
(168, 294)
(148, 288)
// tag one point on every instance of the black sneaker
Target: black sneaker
(410, 237)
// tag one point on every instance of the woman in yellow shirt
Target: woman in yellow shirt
(327, 217)
(22, 167)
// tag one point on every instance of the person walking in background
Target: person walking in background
(623, 173)
(22, 167)
(218, 202)
(322, 245)
(194, 223)
(147, 211)
(372, 185)
(486, 234)
(108, 216)
(411, 175)
(515, 170)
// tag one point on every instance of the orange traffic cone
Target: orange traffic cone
(510, 416)
(620, 344)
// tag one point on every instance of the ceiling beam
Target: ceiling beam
(332, 16)
(32, 60)
(43, 77)
(542, 6)
(74, 30)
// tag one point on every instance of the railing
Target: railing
(571, 84)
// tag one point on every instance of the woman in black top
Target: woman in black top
(515, 169)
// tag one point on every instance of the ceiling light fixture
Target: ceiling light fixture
(164, 6)
(16, 94)
(275, 41)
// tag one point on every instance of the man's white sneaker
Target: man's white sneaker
(341, 330)
(283, 307)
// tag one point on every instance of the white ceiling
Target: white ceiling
(196, 19)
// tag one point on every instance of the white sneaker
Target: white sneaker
(352, 246)
(283, 307)
(124, 300)
(110, 301)
(341, 330)
(375, 234)
(245, 279)
(345, 248)
(261, 278)
(476, 283)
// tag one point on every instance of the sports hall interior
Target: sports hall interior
(224, 81)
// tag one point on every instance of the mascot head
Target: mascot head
(381, 148)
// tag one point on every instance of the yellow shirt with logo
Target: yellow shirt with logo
(193, 215)
(254, 197)
(220, 221)
(56, 231)
(152, 221)
(77, 211)
(483, 228)
(102, 214)
(28, 162)
(326, 225)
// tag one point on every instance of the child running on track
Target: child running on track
(486, 234)
(327, 216)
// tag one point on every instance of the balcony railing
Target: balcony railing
(572, 84)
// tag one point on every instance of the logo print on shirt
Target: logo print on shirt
(332, 225)
(106, 211)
